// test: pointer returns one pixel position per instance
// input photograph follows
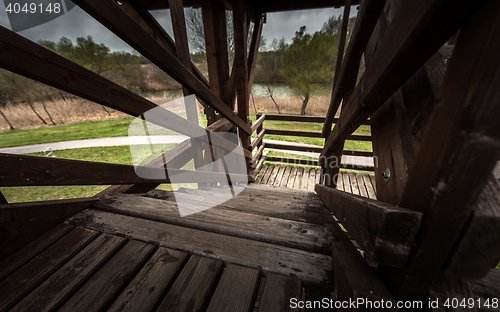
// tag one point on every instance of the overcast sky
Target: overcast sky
(76, 23)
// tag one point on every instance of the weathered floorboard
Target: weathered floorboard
(283, 260)
(21, 282)
(293, 234)
(150, 283)
(278, 290)
(236, 290)
(97, 292)
(191, 289)
(59, 286)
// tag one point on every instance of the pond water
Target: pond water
(280, 90)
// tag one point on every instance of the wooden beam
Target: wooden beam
(365, 23)
(214, 24)
(385, 232)
(478, 249)
(34, 171)
(23, 223)
(354, 278)
(314, 149)
(297, 118)
(31, 60)
(241, 62)
(310, 134)
(119, 22)
(342, 39)
(405, 48)
(145, 20)
(258, 123)
(451, 168)
(254, 50)
(258, 140)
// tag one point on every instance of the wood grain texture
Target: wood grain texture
(190, 291)
(97, 292)
(21, 282)
(478, 249)
(354, 278)
(59, 286)
(278, 290)
(147, 287)
(13, 262)
(284, 260)
(236, 290)
(51, 171)
(293, 234)
(385, 232)
(24, 222)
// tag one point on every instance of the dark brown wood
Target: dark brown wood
(52, 171)
(147, 287)
(446, 51)
(59, 286)
(191, 290)
(478, 249)
(367, 18)
(221, 220)
(258, 140)
(313, 149)
(310, 134)
(467, 120)
(385, 232)
(118, 21)
(236, 290)
(354, 278)
(258, 155)
(297, 118)
(13, 262)
(241, 71)
(214, 22)
(101, 288)
(284, 260)
(253, 52)
(405, 48)
(21, 282)
(258, 123)
(23, 223)
(342, 39)
(278, 290)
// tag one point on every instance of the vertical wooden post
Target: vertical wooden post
(214, 24)
(333, 161)
(254, 51)
(241, 64)
(182, 47)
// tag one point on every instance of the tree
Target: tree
(309, 62)
(270, 63)
(92, 54)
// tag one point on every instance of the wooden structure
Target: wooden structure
(430, 93)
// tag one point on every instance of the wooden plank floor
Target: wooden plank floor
(304, 178)
(129, 253)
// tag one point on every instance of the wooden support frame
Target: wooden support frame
(385, 232)
(118, 21)
(214, 24)
(3, 200)
(367, 18)
(404, 49)
(20, 55)
(467, 119)
(241, 67)
(354, 278)
(49, 171)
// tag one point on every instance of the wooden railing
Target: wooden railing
(258, 145)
